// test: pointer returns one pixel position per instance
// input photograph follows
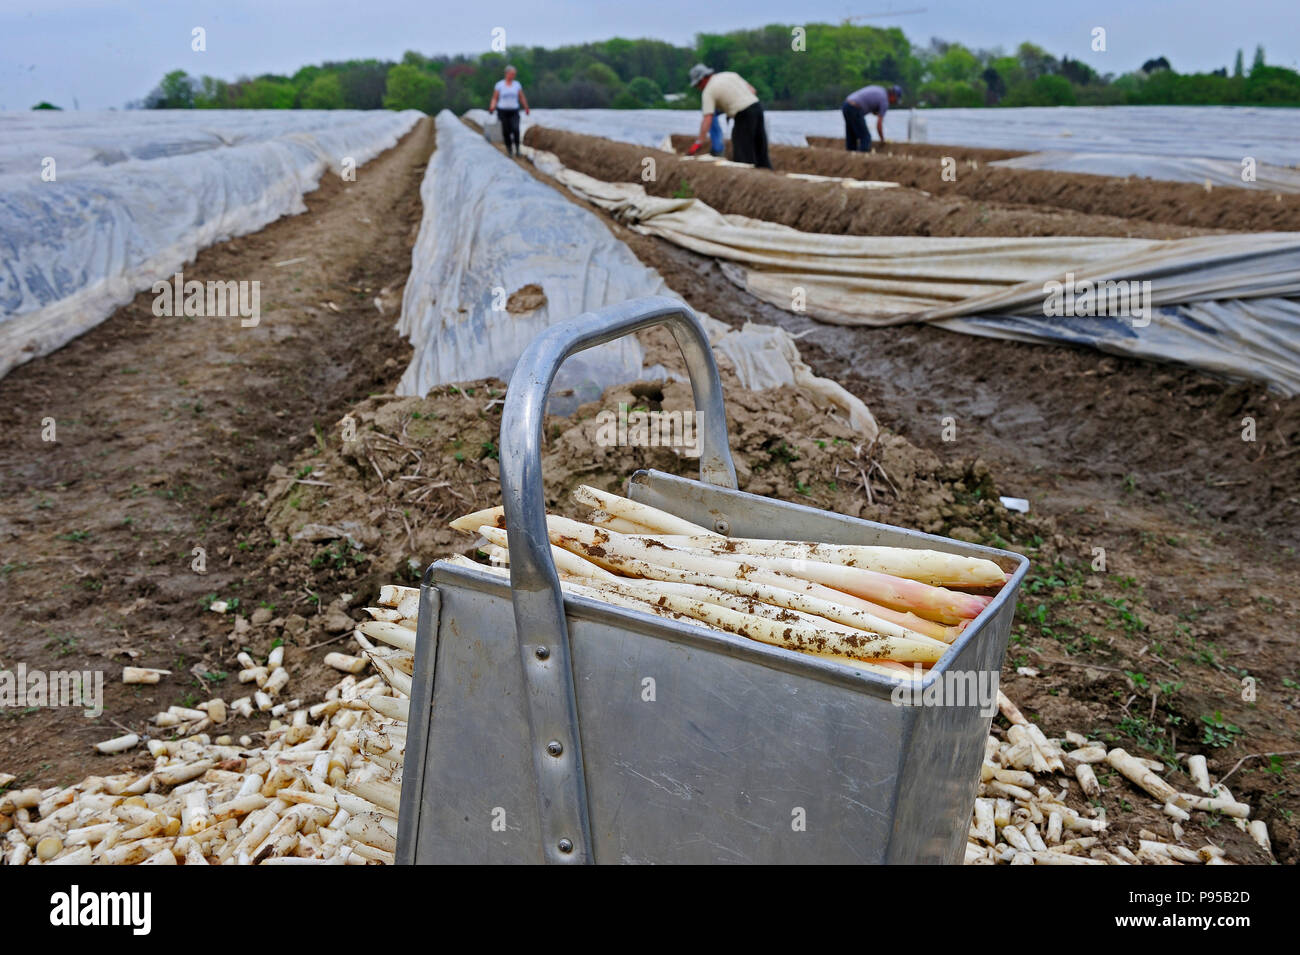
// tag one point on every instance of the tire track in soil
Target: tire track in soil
(163, 425)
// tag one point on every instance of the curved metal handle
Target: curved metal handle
(539, 604)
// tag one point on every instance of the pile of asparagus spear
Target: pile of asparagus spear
(320, 786)
(888, 610)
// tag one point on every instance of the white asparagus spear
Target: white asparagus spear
(855, 643)
(566, 561)
(896, 593)
(794, 635)
(613, 550)
(391, 595)
(1140, 776)
(345, 663)
(143, 674)
(1229, 807)
(777, 596)
(928, 566)
(1200, 773)
(602, 518)
(390, 707)
(492, 516)
(637, 513)
(392, 634)
(119, 744)
(896, 671)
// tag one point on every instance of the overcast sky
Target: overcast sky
(104, 54)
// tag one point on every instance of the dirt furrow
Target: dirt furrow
(162, 426)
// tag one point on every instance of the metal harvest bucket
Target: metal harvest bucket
(553, 728)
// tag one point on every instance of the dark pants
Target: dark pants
(857, 137)
(749, 137)
(510, 128)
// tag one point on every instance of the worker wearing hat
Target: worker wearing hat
(869, 99)
(729, 93)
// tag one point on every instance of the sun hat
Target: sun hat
(698, 72)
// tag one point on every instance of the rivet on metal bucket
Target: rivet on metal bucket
(722, 526)
(565, 846)
(542, 653)
(555, 747)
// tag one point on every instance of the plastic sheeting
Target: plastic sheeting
(1216, 172)
(135, 196)
(1215, 132)
(1234, 313)
(489, 230)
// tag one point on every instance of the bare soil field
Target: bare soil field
(230, 439)
(1179, 637)
(813, 207)
(920, 166)
(162, 425)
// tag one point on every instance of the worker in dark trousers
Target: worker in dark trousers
(858, 105)
(732, 95)
(507, 97)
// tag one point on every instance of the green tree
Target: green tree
(1237, 68)
(176, 91)
(956, 64)
(324, 92)
(602, 75)
(212, 93)
(645, 91)
(1258, 62)
(267, 92)
(1035, 61)
(409, 87)
(1052, 91)
(44, 105)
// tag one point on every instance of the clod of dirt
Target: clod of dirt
(527, 299)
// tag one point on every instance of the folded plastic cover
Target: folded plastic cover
(1224, 303)
(133, 197)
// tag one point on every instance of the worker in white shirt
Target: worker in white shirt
(507, 96)
(729, 93)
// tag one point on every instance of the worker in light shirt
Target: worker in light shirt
(861, 103)
(507, 97)
(732, 95)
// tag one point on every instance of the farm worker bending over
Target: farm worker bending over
(507, 96)
(732, 95)
(869, 99)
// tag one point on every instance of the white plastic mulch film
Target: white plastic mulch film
(1226, 303)
(1177, 143)
(491, 230)
(96, 206)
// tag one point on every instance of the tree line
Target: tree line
(791, 70)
